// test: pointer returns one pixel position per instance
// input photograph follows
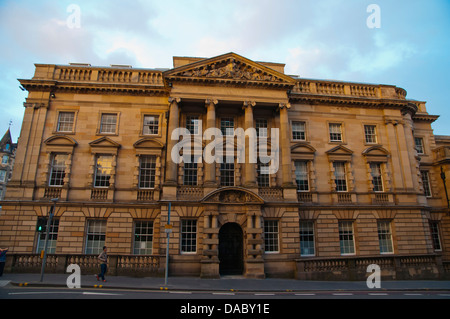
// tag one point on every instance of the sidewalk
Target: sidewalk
(227, 283)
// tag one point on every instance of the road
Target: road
(14, 292)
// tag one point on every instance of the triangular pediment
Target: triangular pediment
(60, 140)
(339, 150)
(339, 153)
(229, 68)
(104, 142)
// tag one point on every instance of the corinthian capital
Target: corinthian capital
(248, 103)
(174, 99)
(284, 105)
(211, 101)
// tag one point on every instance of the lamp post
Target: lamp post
(47, 231)
(445, 186)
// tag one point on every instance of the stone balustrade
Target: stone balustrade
(134, 265)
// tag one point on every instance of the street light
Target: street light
(49, 222)
(445, 186)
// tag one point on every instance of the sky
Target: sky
(403, 42)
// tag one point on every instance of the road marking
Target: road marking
(40, 293)
(180, 292)
(264, 294)
(444, 295)
(377, 294)
(224, 293)
(305, 294)
(413, 294)
(100, 293)
(342, 294)
(3, 283)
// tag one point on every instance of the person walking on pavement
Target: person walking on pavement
(3, 252)
(103, 257)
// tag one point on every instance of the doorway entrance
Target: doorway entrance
(231, 250)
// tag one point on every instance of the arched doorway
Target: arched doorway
(231, 249)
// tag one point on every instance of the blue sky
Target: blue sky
(322, 39)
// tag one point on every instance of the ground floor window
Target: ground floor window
(435, 236)
(346, 238)
(52, 236)
(271, 236)
(95, 236)
(188, 236)
(143, 238)
(385, 237)
(307, 247)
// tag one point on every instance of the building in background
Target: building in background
(359, 179)
(7, 156)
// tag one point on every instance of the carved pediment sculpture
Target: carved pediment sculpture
(230, 67)
(233, 196)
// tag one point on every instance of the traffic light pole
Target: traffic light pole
(47, 231)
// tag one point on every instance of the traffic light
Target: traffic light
(41, 223)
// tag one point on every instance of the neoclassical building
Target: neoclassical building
(361, 178)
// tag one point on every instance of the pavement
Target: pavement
(225, 283)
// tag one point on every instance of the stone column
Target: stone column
(170, 182)
(210, 259)
(289, 189)
(171, 167)
(250, 168)
(210, 169)
(254, 262)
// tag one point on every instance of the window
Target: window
(227, 174)
(370, 134)
(340, 178)
(147, 171)
(335, 132)
(108, 124)
(385, 237)
(103, 170)
(298, 131)
(377, 179)
(302, 176)
(190, 177)
(227, 126)
(307, 247)
(57, 170)
(192, 124)
(426, 183)
(151, 125)
(52, 236)
(271, 236)
(261, 127)
(262, 170)
(143, 238)
(2, 175)
(188, 236)
(95, 236)
(5, 159)
(435, 236)
(346, 238)
(65, 121)
(419, 145)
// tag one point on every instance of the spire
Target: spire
(6, 139)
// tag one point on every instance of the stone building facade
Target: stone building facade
(358, 182)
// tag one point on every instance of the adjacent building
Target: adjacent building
(360, 177)
(7, 156)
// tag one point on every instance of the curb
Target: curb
(163, 288)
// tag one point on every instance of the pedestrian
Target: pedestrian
(103, 257)
(3, 252)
